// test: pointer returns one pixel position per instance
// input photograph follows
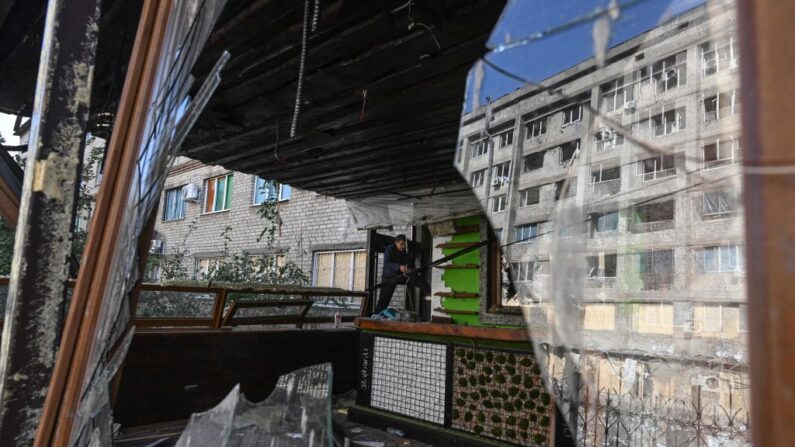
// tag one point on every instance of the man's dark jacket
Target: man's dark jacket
(393, 259)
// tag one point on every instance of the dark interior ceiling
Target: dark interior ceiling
(406, 137)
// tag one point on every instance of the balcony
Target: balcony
(648, 227)
(606, 188)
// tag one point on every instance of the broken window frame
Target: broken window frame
(571, 114)
(657, 167)
(537, 157)
(536, 127)
(526, 195)
(571, 192)
(203, 265)
(606, 139)
(718, 56)
(567, 151)
(499, 203)
(523, 271)
(725, 199)
(727, 152)
(618, 92)
(718, 111)
(650, 217)
(670, 72)
(504, 138)
(602, 269)
(598, 175)
(479, 147)
(652, 273)
(603, 222)
(668, 122)
(478, 178)
(500, 175)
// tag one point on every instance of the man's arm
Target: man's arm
(390, 265)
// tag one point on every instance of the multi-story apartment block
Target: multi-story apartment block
(626, 176)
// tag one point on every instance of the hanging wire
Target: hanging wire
(301, 70)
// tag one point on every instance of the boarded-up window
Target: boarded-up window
(341, 269)
(654, 318)
(599, 317)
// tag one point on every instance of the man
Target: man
(398, 264)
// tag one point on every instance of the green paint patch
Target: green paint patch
(461, 303)
(462, 280)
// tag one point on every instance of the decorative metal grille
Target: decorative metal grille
(409, 378)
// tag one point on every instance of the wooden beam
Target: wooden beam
(767, 44)
(444, 330)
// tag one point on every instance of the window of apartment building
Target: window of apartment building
(273, 261)
(603, 222)
(204, 266)
(602, 175)
(530, 196)
(478, 177)
(711, 320)
(218, 193)
(599, 317)
(498, 203)
(501, 175)
(174, 204)
(523, 271)
(459, 151)
(567, 151)
(719, 203)
(525, 232)
(602, 265)
(572, 114)
(504, 138)
(652, 217)
(498, 234)
(721, 152)
(653, 318)
(270, 191)
(344, 269)
(533, 161)
(718, 56)
(607, 139)
(617, 93)
(721, 105)
(570, 192)
(668, 122)
(535, 128)
(670, 72)
(723, 258)
(479, 147)
(657, 167)
(656, 269)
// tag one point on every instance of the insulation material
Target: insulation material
(296, 414)
(413, 207)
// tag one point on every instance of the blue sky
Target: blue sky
(555, 53)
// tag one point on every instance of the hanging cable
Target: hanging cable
(301, 69)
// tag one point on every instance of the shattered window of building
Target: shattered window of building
(536, 127)
(533, 161)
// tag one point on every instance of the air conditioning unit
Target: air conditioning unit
(190, 193)
(157, 247)
(496, 182)
(629, 106)
(605, 133)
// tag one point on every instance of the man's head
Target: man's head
(400, 242)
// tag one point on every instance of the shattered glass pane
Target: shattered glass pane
(297, 413)
(626, 163)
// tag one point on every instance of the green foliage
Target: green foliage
(6, 248)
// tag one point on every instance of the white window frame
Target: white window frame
(601, 172)
(226, 206)
(679, 121)
(664, 67)
(739, 262)
(504, 138)
(525, 194)
(334, 253)
(499, 203)
(719, 109)
(619, 93)
(501, 175)
(713, 48)
(658, 172)
(720, 162)
(523, 271)
(601, 261)
(178, 191)
(478, 178)
(526, 233)
(732, 199)
(536, 127)
(279, 192)
(571, 115)
(210, 261)
(602, 144)
(479, 147)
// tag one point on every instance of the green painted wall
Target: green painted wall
(464, 280)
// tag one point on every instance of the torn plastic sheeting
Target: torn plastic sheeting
(297, 413)
(413, 207)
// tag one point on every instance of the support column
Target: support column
(36, 296)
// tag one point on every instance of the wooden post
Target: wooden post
(767, 49)
(37, 292)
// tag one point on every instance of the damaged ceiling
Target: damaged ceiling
(380, 101)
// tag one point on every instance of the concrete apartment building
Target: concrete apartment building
(315, 233)
(661, 252)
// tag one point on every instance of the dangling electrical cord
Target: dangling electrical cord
(301, 68)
